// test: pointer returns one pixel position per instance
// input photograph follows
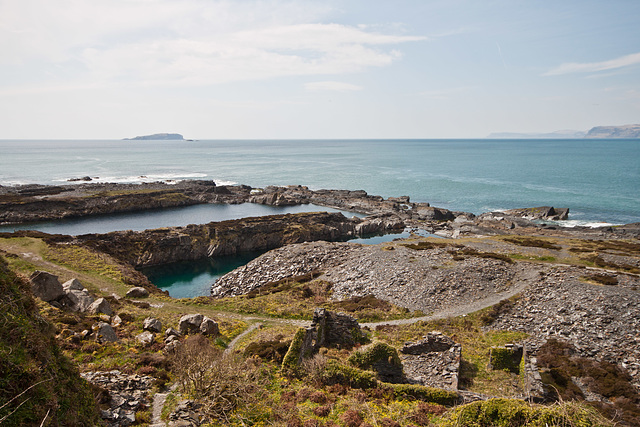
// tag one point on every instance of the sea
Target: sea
(598, 180)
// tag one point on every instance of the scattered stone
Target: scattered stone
(116, 321)
(73, 284)
(146, 338)
(170, 331)
(104, 333)
(46, 286)
(137, 292)
(190, 323)
(77, 299)
(100, 305)
(186, 414)
(152, 324)
(209, 327)
(433, 361)
(127, 394)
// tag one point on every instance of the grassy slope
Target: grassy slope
(36, 380)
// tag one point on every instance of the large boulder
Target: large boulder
(429, 213)
(46, 286)
(209, 327)
(100, 305)
(77, 298)
(190, 323)
(105, 333)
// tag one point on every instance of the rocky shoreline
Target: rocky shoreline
(32, 203)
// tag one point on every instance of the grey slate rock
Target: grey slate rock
(190, 323)
(209, 327)
(100, 305)
(146, 338)
(105, 333)
(152, 324)
(46, 286)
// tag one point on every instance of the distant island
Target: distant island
(158, 137)
(598, 132)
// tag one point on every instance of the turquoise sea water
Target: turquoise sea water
(599, 180)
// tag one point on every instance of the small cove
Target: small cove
(191, 279)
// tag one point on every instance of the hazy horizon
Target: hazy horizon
(297, 69)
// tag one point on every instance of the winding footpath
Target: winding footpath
(525, 278)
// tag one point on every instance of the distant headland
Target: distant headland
(158, 137)
(598, 132)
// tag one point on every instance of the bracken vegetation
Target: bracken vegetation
(561, 364)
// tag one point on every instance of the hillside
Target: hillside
(623, 132)
(37, 381)
(158, 137)
(598, 132)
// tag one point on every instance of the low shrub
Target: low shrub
(337, 373)
(424, 245)
(273, 350)
(351, 418)
(366, 302)
(221, 382)
(427, 394)
(512, 412)
(559, 362)
(423, 414)
(503, 307)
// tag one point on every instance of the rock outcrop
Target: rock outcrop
(542, 212)
(193, 242)
(40, 202)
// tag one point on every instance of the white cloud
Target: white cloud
(331, 86)
(590, 67)
(191, 42)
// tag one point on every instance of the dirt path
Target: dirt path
(526, 277)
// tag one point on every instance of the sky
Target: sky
(276, 69)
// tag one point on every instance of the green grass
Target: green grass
(297, 300)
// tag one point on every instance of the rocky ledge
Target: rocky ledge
(193, 242)
(28, 203)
